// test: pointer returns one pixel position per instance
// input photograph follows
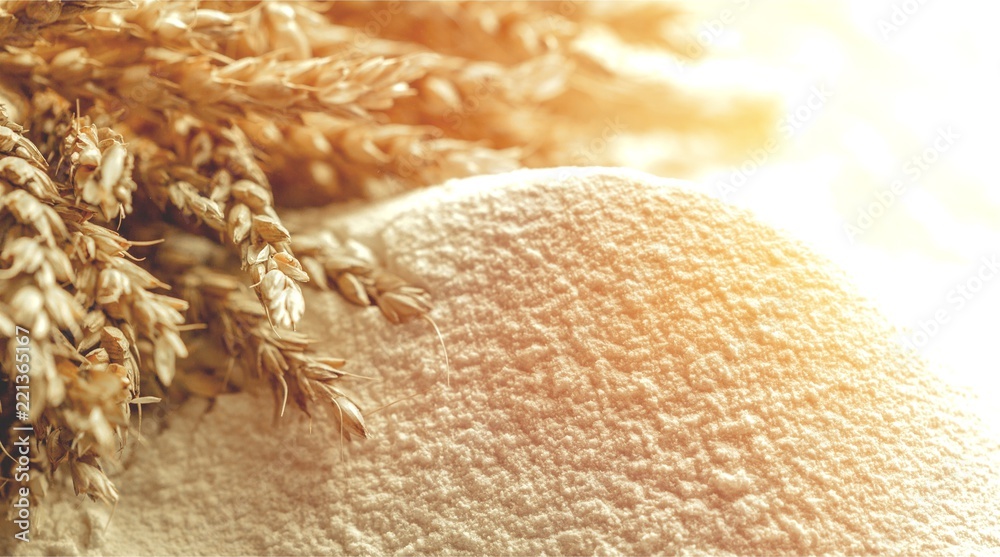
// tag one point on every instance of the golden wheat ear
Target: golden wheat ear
(123, 121)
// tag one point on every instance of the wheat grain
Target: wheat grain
(354, 273)
(230, 181)
(100, 169)
(21, 21)
(87, 306)
(225, 305)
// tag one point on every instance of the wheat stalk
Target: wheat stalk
(68, 281)
(22, 21)
(354, 274)
(241, 326)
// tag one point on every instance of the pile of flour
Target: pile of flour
(636, 368)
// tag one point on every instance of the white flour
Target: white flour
(636, 369)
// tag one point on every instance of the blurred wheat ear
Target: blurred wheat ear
(125, 123)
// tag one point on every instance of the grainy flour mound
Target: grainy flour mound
(636, 368)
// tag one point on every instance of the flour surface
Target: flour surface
(636, 368)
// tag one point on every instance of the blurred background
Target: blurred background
(883, 158)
